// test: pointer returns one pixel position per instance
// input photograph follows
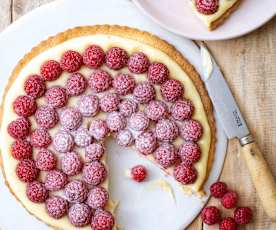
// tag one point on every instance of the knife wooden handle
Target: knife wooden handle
(262, 178)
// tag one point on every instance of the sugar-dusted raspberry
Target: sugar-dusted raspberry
(93, 56)
(243, 215)
(89, 105)
(56, 97)
(146, 143)
(76, 84)
(191, 130)
(26, 170)
(63, 141)
(94, 152)
(109, 102)
(45, 160)
(138, 173)
(70, 118)
(24, 106)
(158, 73)
(138, 63)
(189, 152)
(115, 121)
(138, 121)
(144, 92)
(166, 155)
(46, 117)
(210, 215)
(94, 173)
(79, 214)
(19, 128)
(102, 220)
(123, 84)
(55, 180)
(218, 189)
(185, 174)
(97, 197)
(207, 6)
(156, 110)
(124, 138)
(36, 192)
(171, 90)
(116, 58)
(40, 138)
(56, 207)
(71, 163)
(76, 191)
(128, 107)
(100, 81)
(82, 137)
(229, 199)
(50, 70)
(182, 110)
(98, 129)
(21, 149)
(166, 130)
(35, 86)
(71, 61)
(228, 223)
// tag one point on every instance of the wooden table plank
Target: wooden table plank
(5, 13)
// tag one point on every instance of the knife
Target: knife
(235, 126)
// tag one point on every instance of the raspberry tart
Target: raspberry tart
(75, 89)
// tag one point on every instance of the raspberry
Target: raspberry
(210, 215)
(40, 138)
(97, 197)
(79, 214)
(21, 149)
(63, 142)
(93, 56)
(45, 160)
(71, 163)
(109, 102)
(26, 170)
(56, 97)
(116, 58)
(24, 106)
(158, 73)
(94, 152)
(50, 70)
(229, 200)
(124, 138)
(82, 137)
(146, 143)
(71, 61)
(76, 191)
(115, 121)
(46, 117)
(243, 215)
(35, 86)
(228, 223)
(94, 173)
(88, 105)
(36, 192)
(100, 81)
(182, 110)
(70, 118)
(128, 107)
(166, 155)
(98, 129)
(171, 90)
(156, 110)
(76, 84)
(218, 189)
(166, 130)
(55, 180)
(185, 174)
(138, 63)
(19, 128)
(191, 130)
(138, 121)
(123, 84)
(102, 220)
(56, 207)
(138, 173)
(144, 92)
(207, 6)
(189, 152)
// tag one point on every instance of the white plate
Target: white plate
(177, 16)
(140, 209)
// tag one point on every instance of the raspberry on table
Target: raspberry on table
(138, 173)
(26, 170)
(56, 207)
(172, 90)
(35, 86)
(123, 84)
(70, 118)
(40, 138)
(100, 81)
(94, 152)
(79, 214)
(46, 117)
(98, 129)
(228, 223)
(19, 128)
(207, 6)
(36, 192)
(55, 180)
(229, 199)
(50, 70)
(128, 107)
(210, 215)
(97, 197)
(166, 130)
(138, 121)
(24, 106)
(158, 73)
(109, 102)
(82, 137)
(76, 191)
(144, 92)
(94, 173)
(71, 61)
(56, 97)
(63, 141)
(138, 63)
(116, 58)
(115, 121)
(21, 149)
(71, 163)
(243, 215)
(182, 110)
(102, 220)
(76, 84)
(93, 56)
(124, 138)
(191, 130)
(185, 174)
(45, 160)
(89, 105)
(218, 189)
(146, 142)
(189, 152)
(156, 110)
(166, 155)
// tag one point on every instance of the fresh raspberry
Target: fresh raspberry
(123, 84)
(116, 58)
(97, 197)
(19, 128)
(71, 163)
(102, 220)
(63, 142)
(109, 102)
(98, 129)
(89, 105)
(146, 143)
(93, 56)
(185, 174)
(124, 138)
(46, 117)
(76, 84)
(229, 199)
(218, 189)
(158, 73)
(156, 110)
(56, 207)
(79, 214)
(24, 106)
(228, 223)
(189, 152)
(26, 170)
(35, 86)
(166, 155)
(36, 192)
(128, 107)
(56, 97)
(243, 215)
(138, 173)
(21, 149)
(172, 90)
(71, 61)
(115, 121)
(45, 160)
(55, 180)
(144, 92)
(94, 152)
(191, 130)
(100, 81)
(94, 173)
(182, 110)
(76, 191)
(70, 118)
(40, 138)
(166, 130)
(138, 63)
(82, 137)
(210, 215)
(50, 70)
(138, 121)
(207, 6)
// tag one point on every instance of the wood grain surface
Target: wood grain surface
(249, 65)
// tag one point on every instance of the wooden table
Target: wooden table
(249, 64)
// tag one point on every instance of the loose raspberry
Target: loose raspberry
(109, 102)
(26, 170)
(63, 142)
(128, 107)
(123, 84)
(76, 84)
(218, 189)
(89, 105)
(24, 106)
(172, 90)
(46, 117)
(19, 128)
(156, 110)
(158, 73)
(138, 173)
(93, 56)
(229, 200)
(146, 143)
(100, 81)
(210, 215)
(138, 63)
(40, 138)
(55, 180)
(102, 220)
(191, 130)
(94, 152)
(138, 121)
(115, 121)
(82, 137)
(45, 160)
(94, 173)
(50, 70)
(97, 198)
(144, 92)
(189, 152)
(243, 215)
(166, 155)
(182, 110)
(79, 214)
(36, 192)
(35, 86)
(124, 138)
(21, 149)
(228, 223)
(166, 130)
(185, 174)
(56, 97)
(207, 6)
(116, 58)
(71, 163)
(71, 61)
(76, 191)
(56, 207)
(70, 118)
(98, 129)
